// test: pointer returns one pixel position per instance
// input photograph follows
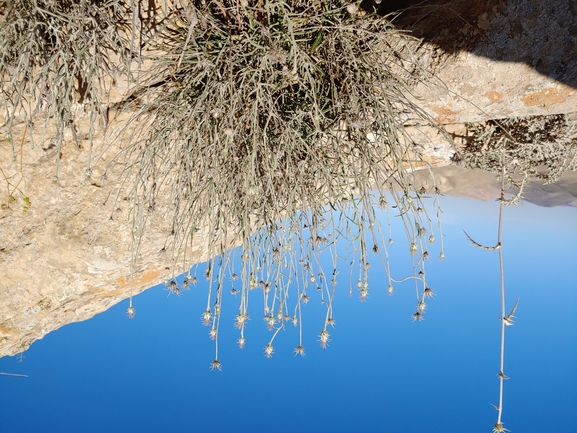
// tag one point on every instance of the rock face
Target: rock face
(66, 247)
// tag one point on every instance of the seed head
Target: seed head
(268, 350)
(324, 338)
(300, 351)
(418, 316)
(206, 316)
(269, 321)
(216, 364)
(390, 289)
(131, 312)
(364, 294)
(212, 333)
(428, 292)
(240, 320)
(241, 342)
(498, 428)
(421, 306)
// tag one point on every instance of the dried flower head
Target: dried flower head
(295, 320)
(305, 299)
(131, 312)
(241, 342)
(324, 338)
(418, 316)
(216, 364)
(212, 333)
(428, 292)
(413, 247)
(300, 351)
(268, 350)
(390, 289)
(331, 321)
(421, 306)
(269, 322)
(498, 428)
(241, 319)
(206, 316)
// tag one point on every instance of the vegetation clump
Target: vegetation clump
(279, 126)
(274, 125)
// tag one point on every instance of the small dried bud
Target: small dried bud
(352, 8)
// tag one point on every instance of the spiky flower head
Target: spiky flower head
(216, 364)
(300, 350)
(206, 316)
(418, 316)
(324, 338)
(173, 287)
(428, 292)
(241, 319)
(421, 306)
(268, 350)
(295, 321)
(269, 322)
(331, 321)
(498, 428)
(241, 342)
(212, 333)
(131, 312)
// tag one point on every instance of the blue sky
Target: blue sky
(381, 371)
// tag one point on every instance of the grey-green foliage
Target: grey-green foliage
(55, 54)
(539, 146)
(264, 108)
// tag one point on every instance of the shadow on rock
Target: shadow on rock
(540, 33)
